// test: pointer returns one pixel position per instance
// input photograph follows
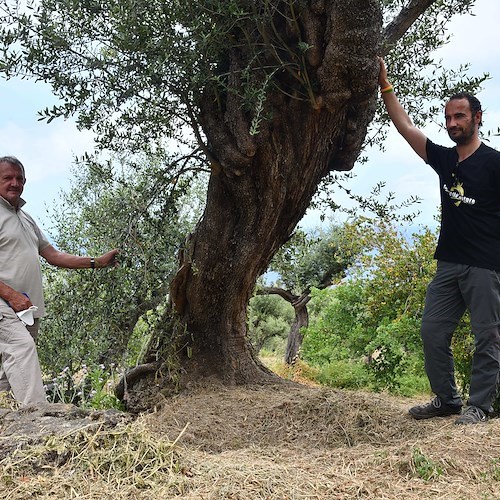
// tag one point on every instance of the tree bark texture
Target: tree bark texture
(261, 185)
(301, 320)
(294, 341)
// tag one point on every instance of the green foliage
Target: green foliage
(89, 388)
(311, 259)
(307, 260)
(336, 330)
(395, 267)
(388, 350)
(269, 319)
(93, 315)
(101, 395)
(345, 374)
(139, 339)
(495, 470)
(137, 72)
(425, 467)
(413, 380)
(374, 315)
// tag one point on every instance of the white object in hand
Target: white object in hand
(26, 316)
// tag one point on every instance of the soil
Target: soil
(299, 442)
(287, 441)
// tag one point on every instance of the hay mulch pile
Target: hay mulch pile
(275, 442)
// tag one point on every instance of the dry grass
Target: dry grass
(281, 442)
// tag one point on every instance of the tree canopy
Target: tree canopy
(140, 73)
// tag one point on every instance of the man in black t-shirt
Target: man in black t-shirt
(468, 255)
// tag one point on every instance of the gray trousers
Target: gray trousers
(20, 369)
(455, 288)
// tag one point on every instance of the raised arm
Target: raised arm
(414, 136)
(69, 261)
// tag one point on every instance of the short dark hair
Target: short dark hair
(12, 160)
(475, 105)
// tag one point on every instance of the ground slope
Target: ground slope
(305, 442)
(278, 442)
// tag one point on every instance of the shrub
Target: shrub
(89, 388)
(389, 350)
(345, 374)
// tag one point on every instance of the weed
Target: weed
(425, 467)
(89, 388)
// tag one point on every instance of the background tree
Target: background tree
(269, 320)
(306, 261)
(375, 314)
(92, 316)
(277, 94)
(369, 325)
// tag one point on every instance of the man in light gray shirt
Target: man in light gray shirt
(21, 243)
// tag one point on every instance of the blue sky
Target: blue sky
(47, 150)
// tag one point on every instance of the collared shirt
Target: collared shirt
(21, 242)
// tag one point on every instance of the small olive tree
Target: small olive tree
(307, 261)
(133, 206)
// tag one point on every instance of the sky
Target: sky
(47, 150)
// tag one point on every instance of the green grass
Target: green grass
(344, 374)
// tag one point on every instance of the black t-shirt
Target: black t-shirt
(470, 200)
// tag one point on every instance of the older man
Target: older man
(21, 243)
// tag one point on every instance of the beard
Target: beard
(461, 135)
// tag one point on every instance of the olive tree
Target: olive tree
(93, 316)
(309, 260)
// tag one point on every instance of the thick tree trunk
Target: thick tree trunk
(315, 121)
(262, 185)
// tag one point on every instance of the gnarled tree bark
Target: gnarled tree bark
(261, 185)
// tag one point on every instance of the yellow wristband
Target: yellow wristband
(387, 89)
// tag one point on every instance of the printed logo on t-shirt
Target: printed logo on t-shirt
(457, 194)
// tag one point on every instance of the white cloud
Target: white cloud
(46, 150)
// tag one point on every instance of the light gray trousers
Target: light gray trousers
(455, 288)
(20, 369)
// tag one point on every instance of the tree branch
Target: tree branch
(214, 164)
(295, 300)
(285, 294)
(396, 29)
